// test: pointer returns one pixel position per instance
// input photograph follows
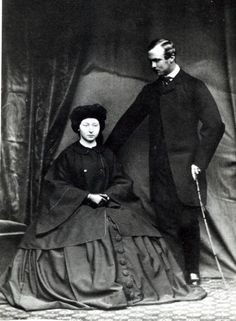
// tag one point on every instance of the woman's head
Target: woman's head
(89, 121)
(89, 130)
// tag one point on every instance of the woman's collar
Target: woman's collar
(81, 149)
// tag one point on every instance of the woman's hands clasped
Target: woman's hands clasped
(98, 199)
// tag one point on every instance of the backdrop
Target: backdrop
(61, 53)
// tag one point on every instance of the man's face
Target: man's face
(159, 63)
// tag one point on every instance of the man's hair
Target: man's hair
(168, 46)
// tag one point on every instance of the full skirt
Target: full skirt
(113, 272)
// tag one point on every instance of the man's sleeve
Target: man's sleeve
(212, 128)
(121, 185)
(128, 122)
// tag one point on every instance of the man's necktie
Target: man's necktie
(165, 80)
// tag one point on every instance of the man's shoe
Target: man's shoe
(194, 279)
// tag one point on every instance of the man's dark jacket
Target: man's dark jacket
(175, 111)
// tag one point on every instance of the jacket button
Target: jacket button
(129, 284)
(101, 171)
(118, 238)
(125, 272)
(123, 262)
(120, 251)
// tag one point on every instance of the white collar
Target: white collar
(174, 73)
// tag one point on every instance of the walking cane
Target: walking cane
(203, 209)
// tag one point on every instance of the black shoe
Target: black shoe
(194, 279)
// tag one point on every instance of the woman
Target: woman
(91, 246)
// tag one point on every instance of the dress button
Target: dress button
(101, 172)
(121, 251)
(123, 262)
(129, 284)
(125, 273)
(118, 238)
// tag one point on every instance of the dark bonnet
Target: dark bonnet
(88, 111)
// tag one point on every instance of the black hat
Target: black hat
(88, 111)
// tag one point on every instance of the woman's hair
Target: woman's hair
(89, 111)
(168, 46)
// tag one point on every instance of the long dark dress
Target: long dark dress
(80, 256)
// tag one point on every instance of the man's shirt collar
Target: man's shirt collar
(174, 73)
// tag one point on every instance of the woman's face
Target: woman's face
(89, 129)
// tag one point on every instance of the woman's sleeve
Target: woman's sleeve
(60, 197)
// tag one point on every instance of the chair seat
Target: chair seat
(11, 234)
(8, 227)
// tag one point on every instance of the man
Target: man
(176, 103)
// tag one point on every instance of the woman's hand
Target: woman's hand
(98, 198)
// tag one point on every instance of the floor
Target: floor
(219, 305)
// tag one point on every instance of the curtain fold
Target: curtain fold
(51, 101)
(52, 57)
(14, 116)
(54, 80)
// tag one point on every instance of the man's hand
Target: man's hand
(98, 198)
(195, 170)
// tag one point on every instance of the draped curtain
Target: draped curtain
(42, 60)
(61, 53)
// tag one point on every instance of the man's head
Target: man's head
(162, 53)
